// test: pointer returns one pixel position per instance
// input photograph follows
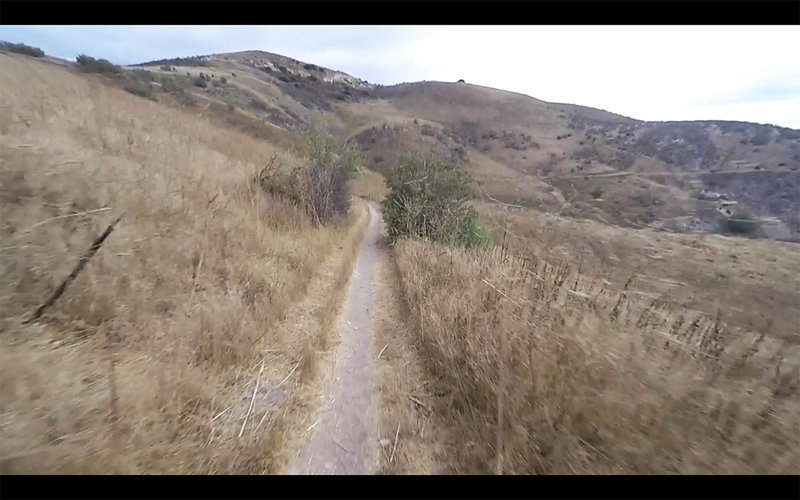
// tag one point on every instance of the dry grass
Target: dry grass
(310, 333)
(399, 381)
(126, 371)
(550, 371)
(756, 283)
(369, 185)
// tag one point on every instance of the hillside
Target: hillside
(563, 158)
(197, 279)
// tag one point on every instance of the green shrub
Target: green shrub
(471, 232)
(21, 48)
(429, 198)
(102, 66)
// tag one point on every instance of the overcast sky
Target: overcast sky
(742, 73)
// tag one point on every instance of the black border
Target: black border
(587, 12)
(504, 12)
(397, 487)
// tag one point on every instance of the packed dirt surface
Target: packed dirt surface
(342, 438)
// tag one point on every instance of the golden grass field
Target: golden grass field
(195, 341)
(549, 370)
(161, 330)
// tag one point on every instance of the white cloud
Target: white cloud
(745, 73)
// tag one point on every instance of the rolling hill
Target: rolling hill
(226, 327)
(563, 158)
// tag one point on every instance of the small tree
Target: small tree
(429, 198)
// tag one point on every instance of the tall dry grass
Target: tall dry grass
(311, 333)
(549, 371)
(369, 185)
(755, 282)
(127, 369)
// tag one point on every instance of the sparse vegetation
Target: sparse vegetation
(320, 185)
(199, 81)
(101, 66)
(646, 198)
(741, 222)
(179, 61)
(140, 89)
(258, 104)
(21, 48)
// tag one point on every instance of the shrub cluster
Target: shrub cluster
(102, 66)
(429, 198)
(320, 185)
(21, 48)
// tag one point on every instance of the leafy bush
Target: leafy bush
(320, 185)
(21, 48)
(102, 66)
(429, 198)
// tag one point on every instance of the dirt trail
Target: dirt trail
(343, 439)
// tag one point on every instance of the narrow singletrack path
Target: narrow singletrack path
(342, 437)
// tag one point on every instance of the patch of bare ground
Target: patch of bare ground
(341, 438)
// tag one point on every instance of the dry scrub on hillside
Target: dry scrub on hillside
(125, 372)
(551, 372)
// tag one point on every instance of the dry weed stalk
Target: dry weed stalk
(564, 374)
